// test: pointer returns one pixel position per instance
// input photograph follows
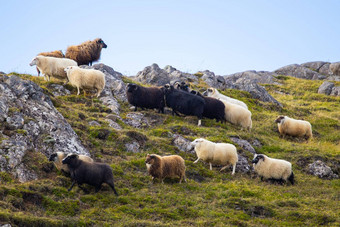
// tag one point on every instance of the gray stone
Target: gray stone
(212, 80)
(243, 144)
(320, 169)
(46, 131)
(136, 120)
(299, 71)
(261, 77)
(58, 90)
(326, 88)
(94, 123)
(133, 147)
(113, 124)
(325, 70)
(183, 144)
(242, 165)
(333, 78)
(316, 65)
(336, 91)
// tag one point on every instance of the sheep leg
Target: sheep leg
(82, 188)
(98, 187)
(199, 122)
(135, 108)
(223, 168)
(210, 165)
(196, 160)
(38, 71)
(234, 167)
(73, 183)
(113, 187)
(66, 82)
(78, 91)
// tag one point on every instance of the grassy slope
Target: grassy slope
(218, 199)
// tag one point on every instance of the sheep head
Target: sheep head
(68, 68)
(101, 43)
(34, 61)
(150, 159)
(280, 119)
(132, 87)
(196, 141)
(209, 92)
(257, 158)
(70, 159)
(53, 157)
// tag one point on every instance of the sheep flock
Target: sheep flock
(182, 100)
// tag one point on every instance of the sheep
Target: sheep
(215, 153)
(57, 158)
(56, 54)
(292, 127)
(237, 115)
(92, 173)
(184, 102)
(87, 52)
(182, 86)
(213, 108)
(165, 167)
(145, 97)
(271, 168)
(51, 66)
(213, 92)
(86, 78)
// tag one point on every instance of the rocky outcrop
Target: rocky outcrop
(321, 67)
(320, 169)
(328, 88)
(244, 144)
(300, 71)
(183, 144)
(30, 123)
(212, 80)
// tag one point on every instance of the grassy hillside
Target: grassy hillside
(209, 197)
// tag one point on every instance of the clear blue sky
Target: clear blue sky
(191, 35)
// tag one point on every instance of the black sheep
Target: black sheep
(184, 102)
(213, 108)
(145, 97)
(94, 173)
(182, 86)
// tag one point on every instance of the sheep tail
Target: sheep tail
(291, 178)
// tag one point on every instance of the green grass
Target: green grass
(210, 197)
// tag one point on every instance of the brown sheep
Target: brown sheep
(87, 52)
(165, 167)
(56, 54)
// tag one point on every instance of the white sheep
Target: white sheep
(216, 153)
(237, 115)
(86, 78)
(271, 168)
(292, 127)
(213, 92)
(52, 67)
(58, 157)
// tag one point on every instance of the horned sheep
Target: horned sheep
(271, 168)
(145, 97)
(216, 153)
(86, 78)
(58, 157)
(165, 167)
(292, 127)
(213, 92)
(94, 173)
(87, 52)
(52, 67)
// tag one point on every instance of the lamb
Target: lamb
(237, 115)
(145, 97)
(52, 67)
(86, 78)
(56, 54)
(87, 52)
(58, 157)
(213, 92)
(165, 167)
(216, 153)
(213, 108)
(271, 168)
(184, 102)
(94, 173)
(292, 127)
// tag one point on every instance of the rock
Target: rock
(133, 147)
(94, 123)
(58, 90)
(113, 124)
(325, 70)
(256, 143)
(261, 77)
(183, 144)
(243, 165)
(299, 71)
(318, 66)
(136, 120)
(212, 80)
(333, 78)
(320, 169)
(326, 88)
(336, 91)
(113, 117)
(243, 144)
(45, 129)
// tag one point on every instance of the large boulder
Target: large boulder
(328, 88)
(261, 77)
(321, 67)
(320, 169)
(299, 71)
(30, 123)
(212, 80)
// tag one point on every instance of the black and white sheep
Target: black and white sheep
(292, 127)
(145, 97)
(273, 169)
(184, 102)
(58, 157)
(94, 173)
